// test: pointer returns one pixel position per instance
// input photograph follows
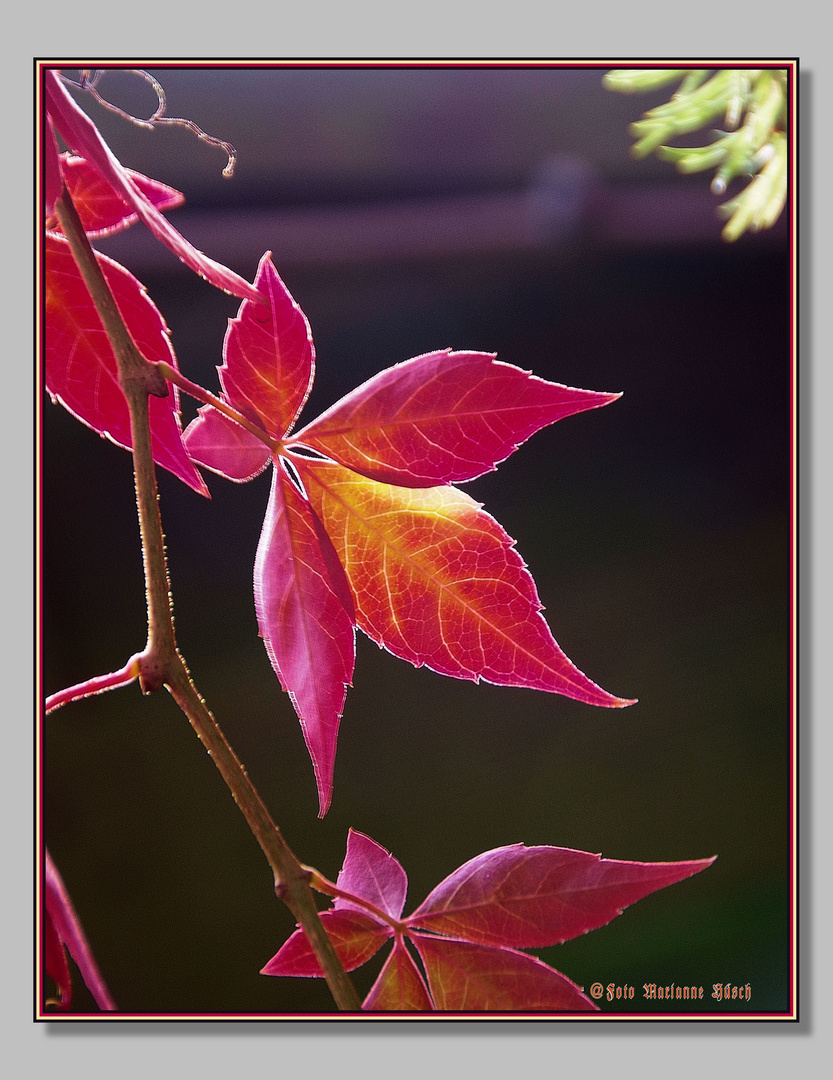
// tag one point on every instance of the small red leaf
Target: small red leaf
(304, 613)
(100, 207)
(463, 977)
(81, 369)
(437, 581)
(219, 444)
(373, 874)
(83, 138)
(531, 897)
(399, 987)
(441, 418)
(356, 937)
(269, 357)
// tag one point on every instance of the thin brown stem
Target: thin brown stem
(161, 664)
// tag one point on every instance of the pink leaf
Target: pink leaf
(463, 977)
(83, 138)
(102, 210)
(441, 418)
(305, 616)
(269, 358)
(467, 932)
(356, 937)
(218, 443)
(437, 581)
(62, 927)
(536, 896)
(373, 874)
(399, 987)
(81, 369)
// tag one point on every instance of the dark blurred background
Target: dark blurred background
(410, 210)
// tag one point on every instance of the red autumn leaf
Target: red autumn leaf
(400, 986)
(441, 418)
(305, 616)
(102, 210)
(266, 375)
(269, 358)
(80, 367)
(468, 931)
(356, 937)
(373, 874)
(432, 577)
(463, 977)
(516, 895)
(438, 582)
(218, 443)
(84, 139)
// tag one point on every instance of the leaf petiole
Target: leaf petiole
(324, 885)
(97, 685)
(198, 392)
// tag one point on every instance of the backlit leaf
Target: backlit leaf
(100, 207)
(441, 418)
(372, 873)
(220, 444)
(356, 937)
(80, 367)
(305, 616)
(433, 578)
(469, 929)
(437, 581)
(269, 358)
(463, 977)
(536, 896)
(400, 986)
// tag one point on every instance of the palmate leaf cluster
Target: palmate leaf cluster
(753, 105)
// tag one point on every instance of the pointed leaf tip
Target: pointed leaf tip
(268, 356)
(304, 614)
(438, 582)
(441, 418)
(530, 897)
(374, 874)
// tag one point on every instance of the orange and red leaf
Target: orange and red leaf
(437, 581)
(269, 357)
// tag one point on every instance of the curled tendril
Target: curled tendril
(90, 80)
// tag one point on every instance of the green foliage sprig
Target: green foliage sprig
(753, 103)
